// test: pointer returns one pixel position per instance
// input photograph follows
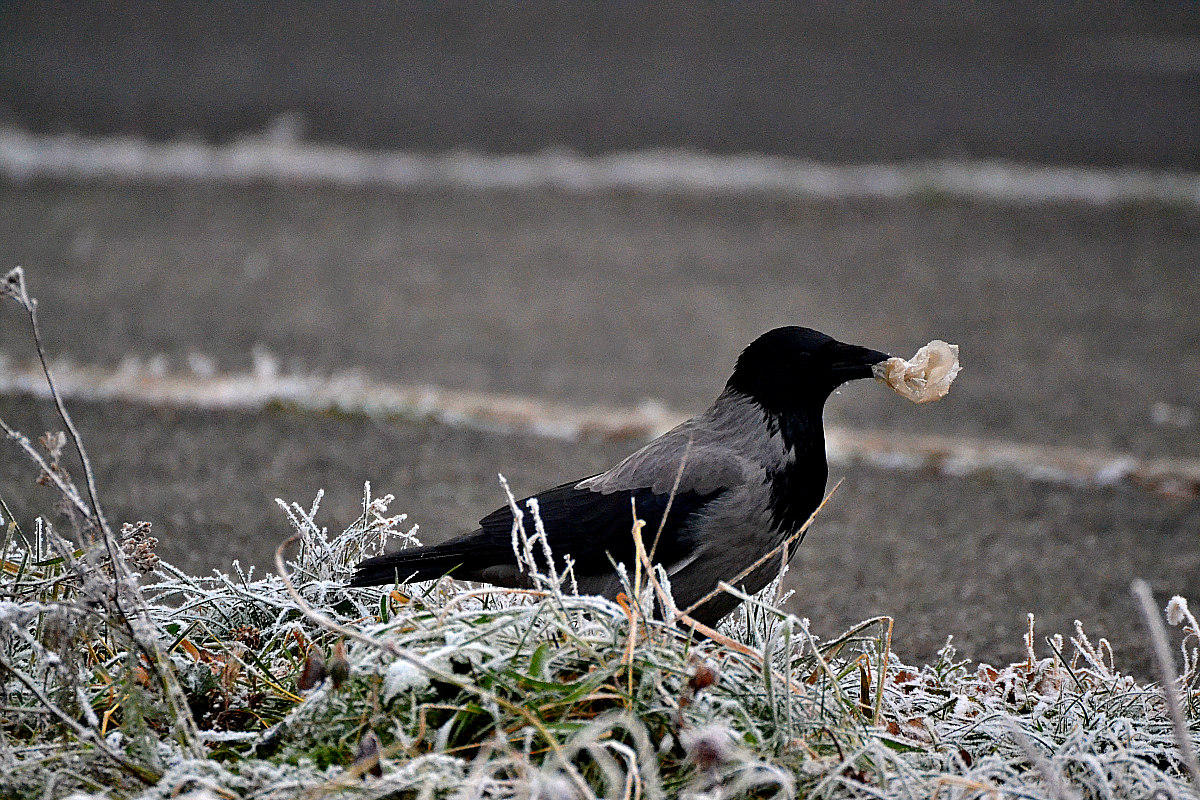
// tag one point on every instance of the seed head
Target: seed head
(704, 675)
(369, 749)
(1176, 610)
(53, 442)
(339, 667)
(138, 546)
(247, 635)
(708, 747)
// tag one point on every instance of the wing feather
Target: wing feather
(707, 467)
(596, 529)
(592, 520)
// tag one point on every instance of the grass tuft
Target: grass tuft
(453, 689)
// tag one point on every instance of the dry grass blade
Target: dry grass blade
(662, 523)
(1170, 679)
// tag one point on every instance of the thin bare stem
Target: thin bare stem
(662, 523)
(1170, 687)
(15, 286)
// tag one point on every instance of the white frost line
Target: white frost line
(285, 160)
(357, 394)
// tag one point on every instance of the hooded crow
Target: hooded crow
(753, 473)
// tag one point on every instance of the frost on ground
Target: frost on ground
(123, 677)
(455, 690)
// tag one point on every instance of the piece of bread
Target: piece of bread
(926, 376)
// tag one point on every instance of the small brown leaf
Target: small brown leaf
(917, 730)
(141, 676)
(232, 667)
(864, 690)
(313, 671)
(203, 656)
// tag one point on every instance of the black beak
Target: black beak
(850, 362)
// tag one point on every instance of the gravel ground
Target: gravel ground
(943, 555)
(1077, 326)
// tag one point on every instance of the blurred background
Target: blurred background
(591, 208)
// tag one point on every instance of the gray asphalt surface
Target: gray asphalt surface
(1035, 81)
(1078, 326)
(1073, 322)
(944, 556)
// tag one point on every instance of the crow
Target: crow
(753, 471)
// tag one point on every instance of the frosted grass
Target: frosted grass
(541, 693)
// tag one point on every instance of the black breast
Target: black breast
(798, 484)
(796, 491)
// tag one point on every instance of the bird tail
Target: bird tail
(417, 564)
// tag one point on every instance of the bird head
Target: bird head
(794, 369)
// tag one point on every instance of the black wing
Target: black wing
(594, 528)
